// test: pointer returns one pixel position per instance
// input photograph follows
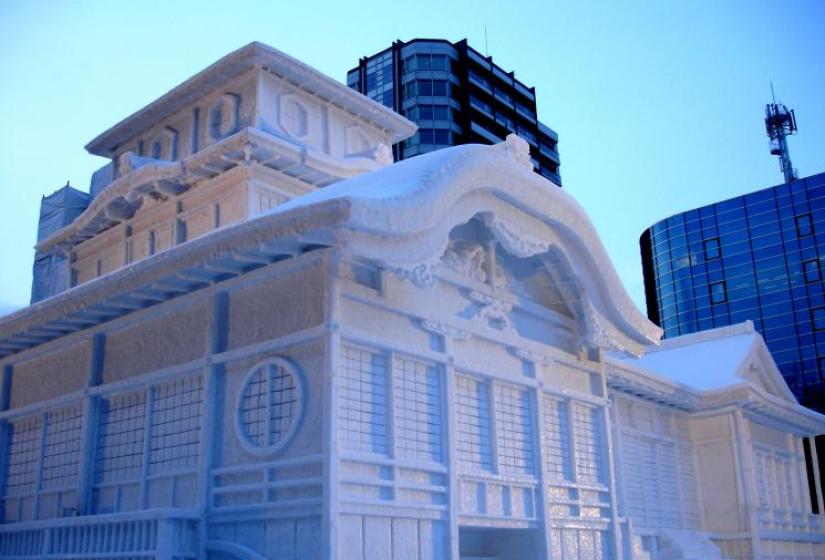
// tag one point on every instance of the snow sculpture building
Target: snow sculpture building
(279, 345)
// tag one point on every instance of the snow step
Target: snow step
(680, 544)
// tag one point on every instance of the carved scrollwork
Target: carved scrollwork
(492, 311)
(514, 239)
(444, 330)
(535, 357)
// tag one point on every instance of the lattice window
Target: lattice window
(557, 438)
(23, 457)
(363, 406)
(270, 404)
(659, 481)
(687, 488)
(514, 430)
(418, 425)
(176, 424)
(473, 419)
(120, 438)
(590, 445)
(775, 480)
(61, 454)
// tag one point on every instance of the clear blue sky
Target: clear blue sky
(658, 104)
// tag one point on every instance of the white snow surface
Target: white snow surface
(706, 366)
(401, 181)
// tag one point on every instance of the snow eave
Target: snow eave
(761, 405)
(253, 55)
(249, 146)
(220, 255)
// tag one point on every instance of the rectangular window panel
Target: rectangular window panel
(804, 226)
(477, 103)
(811, 269)
(441, 136)
(557, 438)
(440, 87)
(424, 62)
(120, 438)
(418, 425)
(61, 453)
(818, 318)
(473, 419)
(175, 426)
(363, 407)
(439, 62)
(717, 292)
(712, 248)
(514, 430)
(590, 445)
(22, 457)
(424, 87)
(441, 112)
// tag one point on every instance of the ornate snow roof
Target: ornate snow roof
(253, 55)
(708, 369)
(400, 216)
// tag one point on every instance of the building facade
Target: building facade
(754, 257)
(455, 95)
(279, 344)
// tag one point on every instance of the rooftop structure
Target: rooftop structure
(455, 95)
(253, 115)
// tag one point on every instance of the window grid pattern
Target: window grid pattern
(474, 432)
(557, 438)
(775, 481)
(176, 424)
(417, 393)
(61, 453)
(514, 428)
(121, 438)
(589, 438)
(23, 456)
(363, 407)
(269, 405)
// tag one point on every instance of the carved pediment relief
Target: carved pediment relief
(466, 258)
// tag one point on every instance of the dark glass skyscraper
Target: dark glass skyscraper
(758, 257)
(456, 95)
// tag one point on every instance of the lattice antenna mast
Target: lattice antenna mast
(779, 124)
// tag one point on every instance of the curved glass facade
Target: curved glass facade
(758, 257)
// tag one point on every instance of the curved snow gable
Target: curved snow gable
(401, 217)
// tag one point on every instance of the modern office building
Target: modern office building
(755, 257)
(455, 95)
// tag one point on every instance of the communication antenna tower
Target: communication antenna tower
(779, 124)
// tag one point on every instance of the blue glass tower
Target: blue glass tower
(758, 257)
